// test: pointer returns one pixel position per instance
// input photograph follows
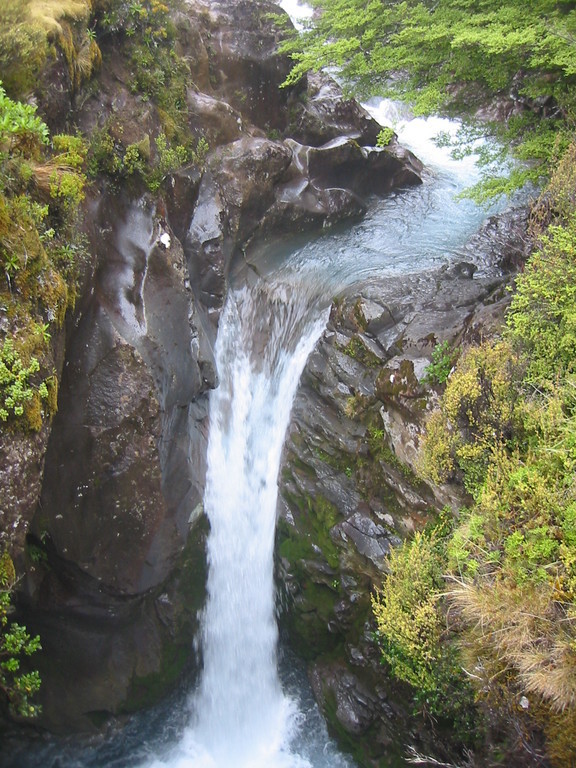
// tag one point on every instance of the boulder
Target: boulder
(318, 113)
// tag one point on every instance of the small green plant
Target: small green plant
(170, 157)
(17, 687)
(20, 128)
(385, 136)
(16, 388)
(437, 372)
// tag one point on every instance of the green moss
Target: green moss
(149, 689)
(357, 350)
(316, 517)
(41, 188)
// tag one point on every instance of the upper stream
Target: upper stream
(244, 713)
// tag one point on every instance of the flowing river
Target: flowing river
(244, 712)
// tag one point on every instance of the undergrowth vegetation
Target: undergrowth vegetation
(41, 188)
(500, 592)
(32, 32)
(145, 33)
(18, 686)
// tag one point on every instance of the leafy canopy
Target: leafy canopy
(453, 56)
(430, 47)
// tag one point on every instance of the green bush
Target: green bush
(41, 187)
(18, 687)
(20, 128)
(507, 421)
(542, 318)
(479, 408)
(16, 387)
(438, 370)
(413, 635)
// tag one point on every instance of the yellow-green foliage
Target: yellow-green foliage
(478, 409)
(405, 608)
(40, 191)
(543, 313)
(413, 634)
(49, 14)
(508, 421)
(23, 47)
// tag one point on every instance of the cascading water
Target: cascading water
(240, 716)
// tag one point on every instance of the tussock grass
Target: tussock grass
(526, 629)
(29, 28)
(48, 14)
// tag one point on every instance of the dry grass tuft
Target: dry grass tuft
(49, 13)
(526, 629)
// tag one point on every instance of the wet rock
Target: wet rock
(236, 190)
(123, 478)
(338, 689)
(370, 538)
(255, 191)
(343, 163)
(221, 124)
(318, 113)
(21, 470)
(246, 69)
(132, 376)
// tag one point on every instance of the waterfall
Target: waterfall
(240, 716)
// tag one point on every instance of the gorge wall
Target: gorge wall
(105, 507)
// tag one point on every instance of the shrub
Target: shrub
(16, 382)
(21, 130)
(41, 187)
(413, 636)
(442, 362)
(542, 318)
(17, 686)
(478, 409)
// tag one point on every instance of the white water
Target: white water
(298, 12)
(240, 716)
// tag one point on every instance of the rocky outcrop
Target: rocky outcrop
(318, 113)
(122, 484)
(350, 488)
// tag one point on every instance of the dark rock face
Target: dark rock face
(348, 479)
(124, 471)
(246, 68)
(134, 369)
